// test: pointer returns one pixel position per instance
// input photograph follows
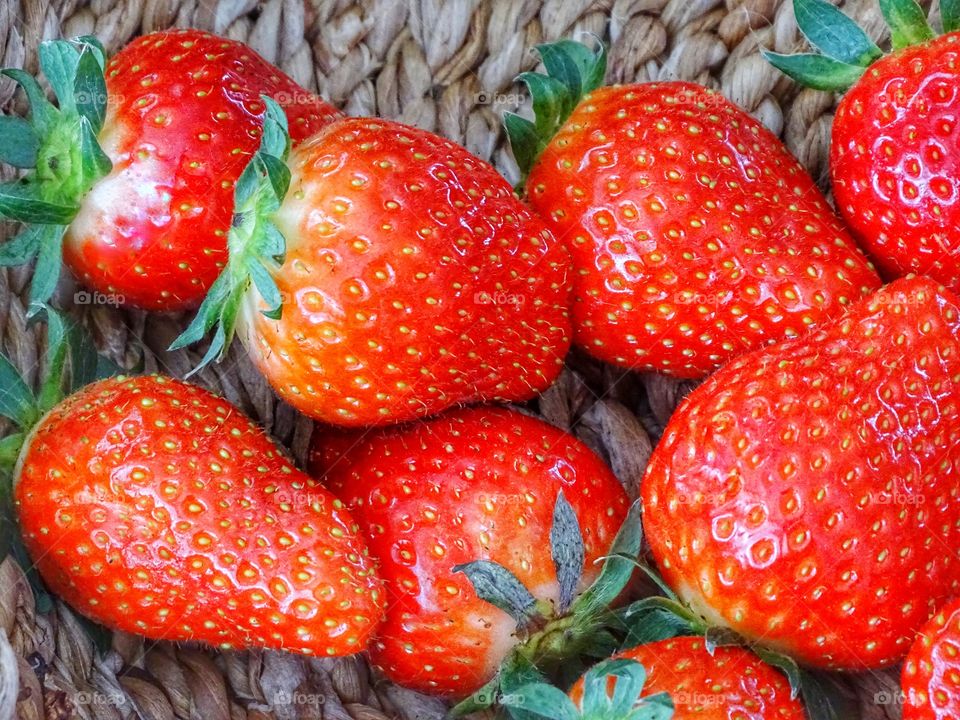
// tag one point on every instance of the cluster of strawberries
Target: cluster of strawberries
(800, 507)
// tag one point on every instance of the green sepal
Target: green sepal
(17, 401)
(58, 61)
(23, 201)
(18, 142)
(256, 245)
(572, 71)
(566, 548)
(908, 24)
(46, 272)
(496, 585)
(950, 15)
(53, 385)
(658, 618)
(42, 113)
(834, 34)
(21, 248)
(617, 567)
(90, 89)
(815, 71)
(93, 160)
(517, 670)
(599, 701)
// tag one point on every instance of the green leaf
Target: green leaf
(566, 547)
(573, 65)
(9, 453)
(908, 24)
(597, 699)
(524, 141)
(278, 175)
(42, 113)
(547, 96)
(90, 90)
(17, 402)
(785, 664)
(655, 625)
(58, 60)
(22, 248)
(54, 382)
(267, 287)
(541, 700)
(276, 137)
(815, 71)
(834, 34)
(496, 585)
(94, 163)
(91, 43)
(950, 15)
(617, 568)
(18, 142)
(208, 314)
(46, 272)
(21, 201)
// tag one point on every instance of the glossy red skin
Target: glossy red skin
(893, 160)
(470, 484)
(805, 494)
(154, 229)
(931, 673)
(157, 508)
(730, 683)
(695, 235)
(425, 286)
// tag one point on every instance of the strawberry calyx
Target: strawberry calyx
(845, 49)
(58, 147)
(555, 638)
(256, 246)
(70, 362)
(612, 690)
(572, 71)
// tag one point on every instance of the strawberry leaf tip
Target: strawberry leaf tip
(58, 147)
(572, 71)
(496, 585)
(566, 546)
(845, 50)
(612, 690)
(256, 246)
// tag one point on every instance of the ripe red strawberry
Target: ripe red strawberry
(931, 673)
(157, 508)
(727, 683)
(413, 280)
(804, 495)
(475, 484)
(892, 157)
(695, 235)
(136, 172)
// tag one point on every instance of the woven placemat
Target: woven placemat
(448, 67)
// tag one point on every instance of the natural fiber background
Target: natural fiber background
(446, 66)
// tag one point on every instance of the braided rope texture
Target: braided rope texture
(447, 66)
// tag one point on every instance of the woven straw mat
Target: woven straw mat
(448, 67)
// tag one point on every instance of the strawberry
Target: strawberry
(804, 495)
(722, 683)
(892, 161)
(695, 235)
(931, 673)
(157, 508)
(397, 277)
(474, 485)
(133, 174)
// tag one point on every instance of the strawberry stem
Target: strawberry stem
(256, 246)
(59, 148)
